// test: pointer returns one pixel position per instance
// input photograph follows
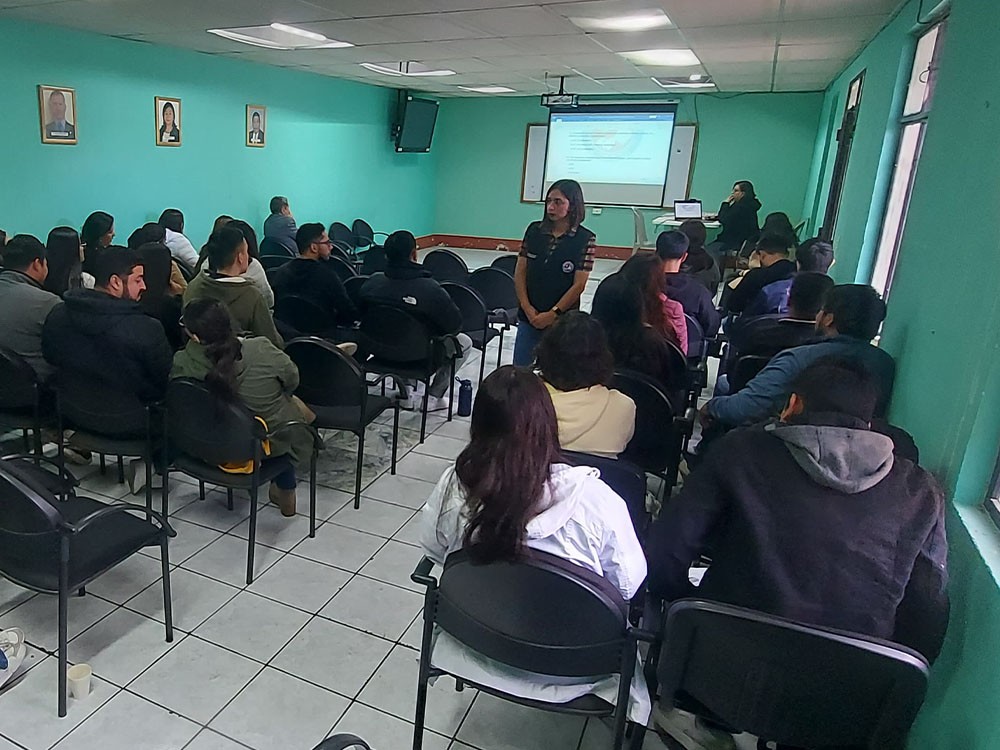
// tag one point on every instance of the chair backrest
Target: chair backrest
(791, 683)
(30, 525)
(469, 303)
(203, 426)
(353, 288)
(641, 237)
(625, 478)
(373, 260)
(269, 246)
(495, 286)
(342, 234)
(301, 313)
(697, 343)
(91, 405)
(394, 335)
(364, 235)
(343, 742)
(270, 262)
(445, 265)
(327, 376)
(342, 252)
(653, 445)
(18, 382)
(745, 370)
(506, 262)
(345, 270)
(541, 613)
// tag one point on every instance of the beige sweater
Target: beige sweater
(594, 420)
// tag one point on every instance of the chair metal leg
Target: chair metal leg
(253, 526)
(423, 412)
(25, 442)
(482, 364)
(229, 498)
(121, 470)
(148, 460)
(168, 611)
(82, 591)
(312, 495)
(63, 624)
(500, 348)
(395, 436)
(624, 686)
(201, 490)
(357, 472)
(423, 674)
(103, 464)
(451, 391)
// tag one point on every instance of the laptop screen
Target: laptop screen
(687, 210)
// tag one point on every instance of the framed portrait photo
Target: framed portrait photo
(57, 114)
(168, 121)
(256, 123)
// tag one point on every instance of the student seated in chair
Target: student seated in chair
(280, 225)
(312, 277)
(406, 285)
(772, 252)
(224, 280)
(812, 518)
(699, 264)
(24, 303)
(574, 361)
(172, 220)
(255, 372)
(845, 326)
(672, 247)
(509, 492)
(814, 255)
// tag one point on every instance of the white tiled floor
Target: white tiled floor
(324, 639)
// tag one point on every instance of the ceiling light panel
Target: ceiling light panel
(658, 39)
(662, 57)
(488, 89)
(625, 22)
(279, 36)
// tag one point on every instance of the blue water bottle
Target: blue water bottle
(465, 398)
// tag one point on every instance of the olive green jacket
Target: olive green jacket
(245, 304)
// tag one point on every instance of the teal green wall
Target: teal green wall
(328, 141)
(885, 61)
(944, 310)
(766, 138)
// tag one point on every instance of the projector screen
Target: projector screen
(618, 153)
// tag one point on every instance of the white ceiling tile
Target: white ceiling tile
(416, 51)
(697, 13)
(751, 35)
(710, 55)
(816, 68)
(794, 52)
(758, 69)
(418, 28)
(805, 10)
(629, 42)
(857, 29)
(605, 8)
(487, 49)
(523, 21)
(564, 44)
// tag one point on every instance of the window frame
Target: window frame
(992, 502)
(842, 157)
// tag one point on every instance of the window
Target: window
(913, 122)
(845, 137)
(993, 499)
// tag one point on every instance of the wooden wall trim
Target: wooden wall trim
(610, 252)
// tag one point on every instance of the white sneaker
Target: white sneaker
(689, 731)
(12, 652)
(438, 403)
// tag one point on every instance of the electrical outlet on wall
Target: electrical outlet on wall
(596, 211)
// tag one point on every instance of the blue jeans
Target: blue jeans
(524, 344)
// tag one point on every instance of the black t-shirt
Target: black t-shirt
(554, 261)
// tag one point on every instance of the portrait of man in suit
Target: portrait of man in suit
(57, 107)
(255, 125)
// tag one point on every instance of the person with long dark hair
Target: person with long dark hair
(64, 251)
(97, 233)
(662, 314)
(509, 492)
(556, 258)
(169, 131)
(779, 223)
(738, 216)
(577, 366)
(254, 372)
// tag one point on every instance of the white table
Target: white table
(668, 220)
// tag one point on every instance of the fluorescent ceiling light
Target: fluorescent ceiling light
(407, 70)
(278, 36)
(673, 83)
(488, 89)
(635, 22)
(667, 57)
(695, 77)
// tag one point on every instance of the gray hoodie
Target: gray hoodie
(841, 458)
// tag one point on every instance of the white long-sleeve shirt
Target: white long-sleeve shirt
(181, 248)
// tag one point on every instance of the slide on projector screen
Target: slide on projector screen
(618, 157)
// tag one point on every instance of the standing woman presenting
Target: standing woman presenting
(556, 258)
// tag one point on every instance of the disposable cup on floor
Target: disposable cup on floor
(79, 676)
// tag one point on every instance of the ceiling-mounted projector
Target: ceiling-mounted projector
(560, 98)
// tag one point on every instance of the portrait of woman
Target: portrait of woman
(168, 121)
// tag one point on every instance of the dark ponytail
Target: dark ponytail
(209, 320)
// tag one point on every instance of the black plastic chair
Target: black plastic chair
(343, 742)
(107, 420)
(446, 265)
(506, 262)
(21, 406)
(787, 682)
(401, 345)
(374, 260)
(364, 235)
(334, 387)
(205, 433)
(270, 247)
(697, 357)
(270, 262)
(302, 315)
(57, 547)
(353, 288)
(475, 320)
(345, 269)
(746, 369)
(542, 614)
(342, 236)
(625, 478)
(660, 434)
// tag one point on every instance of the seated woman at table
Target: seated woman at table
(738, 217)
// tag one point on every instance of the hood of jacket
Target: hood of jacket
(409, 270)
(579, 411)
(848, 459)
(95, 312)
(567, 484)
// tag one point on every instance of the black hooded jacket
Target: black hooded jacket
(410, 287)
(111, 340)
(316, 280)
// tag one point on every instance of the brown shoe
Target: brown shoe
(284, 499)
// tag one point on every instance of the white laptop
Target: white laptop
(687, 210)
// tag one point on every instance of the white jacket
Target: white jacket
(584, 522)
(181, 248)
